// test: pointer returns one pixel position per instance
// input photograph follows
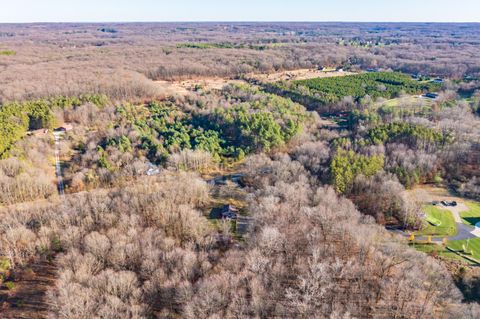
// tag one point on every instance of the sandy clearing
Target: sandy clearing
(185, 87)
(300, 74)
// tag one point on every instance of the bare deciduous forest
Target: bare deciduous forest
(334, 173)
(119, 59)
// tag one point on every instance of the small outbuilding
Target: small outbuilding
(229, 212)
(243, 224)
(152, 170)
(431, 95)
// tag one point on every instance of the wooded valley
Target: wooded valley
(351, 194)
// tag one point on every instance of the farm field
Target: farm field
(376, 84)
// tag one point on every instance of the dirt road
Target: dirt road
(58, 166)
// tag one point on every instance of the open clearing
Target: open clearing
(294, 75)
(409, 102)
(185, 87)
(28, 297)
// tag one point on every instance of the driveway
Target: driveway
(456, 210)
(463, 232)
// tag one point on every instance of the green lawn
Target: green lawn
(472, 245)
(472, 216)
(439, 250)
(433, 221)
(442, 218)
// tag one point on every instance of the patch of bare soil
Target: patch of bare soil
(28, 298)
(185, 87)
(293, 75)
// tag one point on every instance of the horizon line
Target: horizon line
(240, 21)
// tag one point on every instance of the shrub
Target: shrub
(9, 285)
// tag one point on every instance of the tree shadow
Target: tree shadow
(472, 220)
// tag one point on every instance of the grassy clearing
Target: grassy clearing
(472, 216)
(443, 219)
(409, 103)
(470, 247)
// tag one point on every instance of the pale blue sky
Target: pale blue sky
(238, 10)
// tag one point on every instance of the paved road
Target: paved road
(463, 232)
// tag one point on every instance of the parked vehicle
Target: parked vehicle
(448, 204)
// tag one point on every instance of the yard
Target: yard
(472, 215)
(437, 250)
(471, 247)
(439, 222)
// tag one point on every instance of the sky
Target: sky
(239, 10)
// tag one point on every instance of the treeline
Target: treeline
(223, 45)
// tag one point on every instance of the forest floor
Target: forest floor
(28, 298)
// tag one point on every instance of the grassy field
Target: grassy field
(471, 246)
(440, 217)
(472, 216)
